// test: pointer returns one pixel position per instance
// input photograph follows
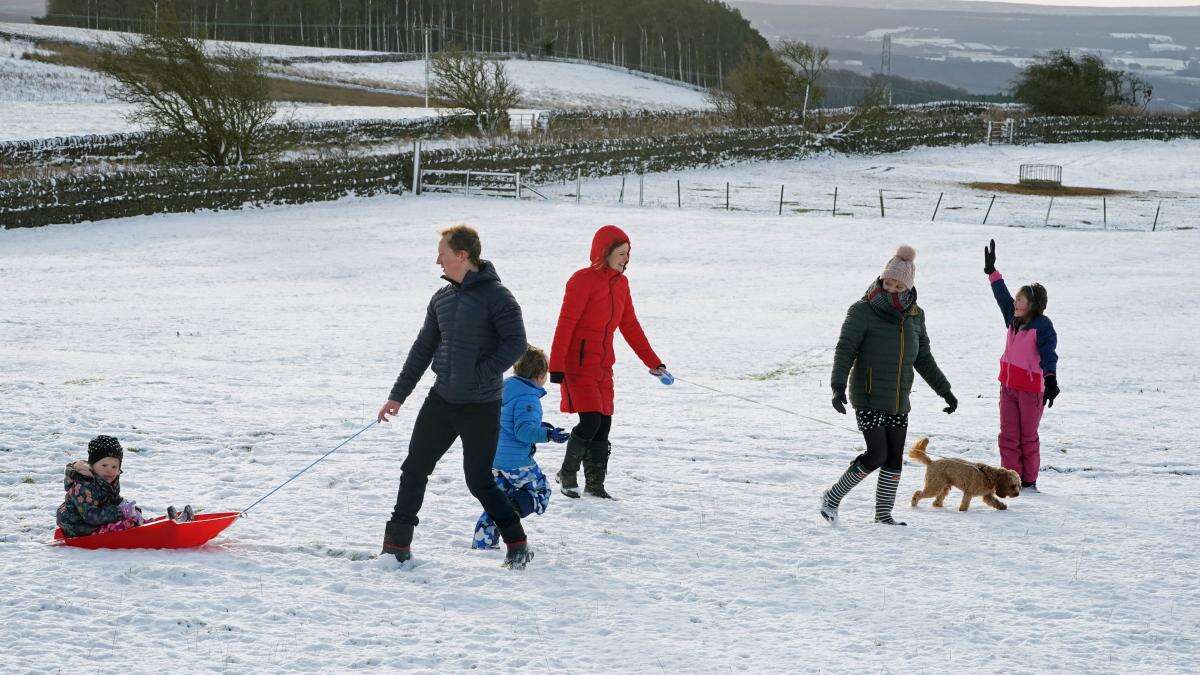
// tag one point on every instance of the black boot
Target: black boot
(595, 470)
(885, 496)
(568, 475)
(518, 556)
(397, 541)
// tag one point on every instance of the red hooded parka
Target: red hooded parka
(595, 304)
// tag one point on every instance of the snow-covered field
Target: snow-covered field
(25, 120)
(43, 100)
(89, 36)
(912, 180)
(27, 81)
(228, 350)
(542, 83)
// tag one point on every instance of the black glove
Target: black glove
(839, 400)
(556, 378)
(1051, 392)
(951, 403)
(989, 257)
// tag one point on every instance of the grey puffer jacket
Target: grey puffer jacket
(473, 333)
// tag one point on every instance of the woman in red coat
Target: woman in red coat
(596, 303)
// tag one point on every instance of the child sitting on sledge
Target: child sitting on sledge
(93, 504)
(521, 428)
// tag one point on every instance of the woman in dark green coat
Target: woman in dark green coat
(883, 341)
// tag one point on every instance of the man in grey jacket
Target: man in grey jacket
(473, 333)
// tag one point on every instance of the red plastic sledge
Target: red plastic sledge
(157, 533)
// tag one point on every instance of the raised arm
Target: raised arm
(999, 289)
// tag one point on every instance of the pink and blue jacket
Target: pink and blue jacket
(1028, 349)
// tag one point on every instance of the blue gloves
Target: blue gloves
(556, 434)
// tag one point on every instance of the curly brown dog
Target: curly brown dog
(973, 478)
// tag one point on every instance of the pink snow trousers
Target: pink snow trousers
(1020, 449)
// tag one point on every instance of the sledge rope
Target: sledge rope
(244, 511)
(768, 405)
(856, 432)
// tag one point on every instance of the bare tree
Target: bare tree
(812, 62)
(761, 90)
(469, 81)
(210, 106)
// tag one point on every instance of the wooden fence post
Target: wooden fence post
(416, 183)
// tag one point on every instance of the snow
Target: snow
(1149, 63)
(542, 83)
(20, 120)
(1167, 47)
(42, 100)
(1153, 171)
(25, 80)
(90, 36)
(988, 57)
(232, 348)
(1142, 36)
(877, 34)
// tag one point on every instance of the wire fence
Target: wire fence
(1139, 212)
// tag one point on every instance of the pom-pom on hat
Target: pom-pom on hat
(104, 446)
(901, 267)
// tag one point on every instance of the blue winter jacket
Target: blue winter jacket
(520, 424)
(473, 332)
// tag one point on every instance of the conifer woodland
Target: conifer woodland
(697, 41)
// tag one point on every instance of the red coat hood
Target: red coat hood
(603, 241)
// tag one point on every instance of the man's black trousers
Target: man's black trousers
(438, 424)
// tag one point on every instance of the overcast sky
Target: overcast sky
(1109, 3)
(21, 10)
(1068, 3)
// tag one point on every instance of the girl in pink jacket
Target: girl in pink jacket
(1027, 371)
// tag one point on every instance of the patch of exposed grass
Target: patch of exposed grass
(332, 94)
(1046, 190)
(78, 56)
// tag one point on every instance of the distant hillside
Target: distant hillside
(982, 46)
(692, 40)
(847, 88)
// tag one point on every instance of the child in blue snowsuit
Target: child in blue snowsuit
(521, 428)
